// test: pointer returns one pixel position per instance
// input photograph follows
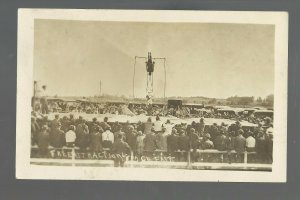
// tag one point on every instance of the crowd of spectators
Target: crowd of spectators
(146, 138)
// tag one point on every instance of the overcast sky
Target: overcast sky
(212, 60)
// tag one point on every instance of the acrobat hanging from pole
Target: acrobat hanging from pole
(150, 71)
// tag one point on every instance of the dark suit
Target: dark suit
(120, 150)
(239, 146)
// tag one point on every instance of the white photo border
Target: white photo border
(24, 170)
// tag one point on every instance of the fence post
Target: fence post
(131, 159)
(73, 156)
(189, 158)
(245, 157)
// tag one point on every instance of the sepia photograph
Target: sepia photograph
(152, 95)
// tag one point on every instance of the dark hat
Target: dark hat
(94, 119)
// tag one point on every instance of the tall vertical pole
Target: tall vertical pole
(133, 76)
(34, 88)
(100, 87)
(165, 78)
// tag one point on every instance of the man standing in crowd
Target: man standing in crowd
(35, 128)
(57, 136)
(96, 139)
(240, 145)
(72, 120)
(120, 151)
(130, 138)
(183, 145)
(194, 144)
(149, 143)
(44, 103)
(103, 124)
(200, 127)
(250, 142)
(107, 138)
(172, 142)
(261, 147)
(207, 144)
(161, 140)
(82, 135)
(168, 126)
(44, 141)
(55, 122)
(148, 126)
(220, 142)
(140, 145)
(119, 131)
(269, 147)
(157, 125)
(71, 136)
(214, 131)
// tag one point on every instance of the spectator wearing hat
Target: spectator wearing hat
(161, 140)
(269, 148)
(82, 135)
(96, 139)
(119, 132)
(65, 123)
(54, 123)
(220, 143)
(200, 127)
(214, 131)
(107, 138)
(183, 145)
(207, 143)
(57, 137)
(35, 128)
(130, 138)
(72, 120)
(261, 145)
(194, 144)
(229, 142)
(43, 100)
(172, 142)
(120, 150)
(104, 125)
(148, 126)
(149, 143)
(240, 145)
(43, 141)
(79, 121)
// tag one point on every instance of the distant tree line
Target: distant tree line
(236, 100)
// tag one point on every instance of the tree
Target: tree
(259, 100)
(270, 100)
